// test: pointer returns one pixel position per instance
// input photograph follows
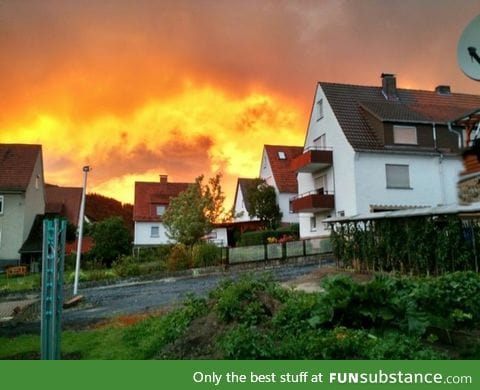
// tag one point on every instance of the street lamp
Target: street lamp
(86, 169)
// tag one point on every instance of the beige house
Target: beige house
(22, 197)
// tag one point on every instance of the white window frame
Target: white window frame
(405, 135)
(2, 203)
(152, 234)
(282, 155)
(389, 184)
(313, 224)
(321, 184)
(163, 208)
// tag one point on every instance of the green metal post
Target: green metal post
(53, 256)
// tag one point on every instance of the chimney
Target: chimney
(163, 179)
(389, 86)
(443, 90)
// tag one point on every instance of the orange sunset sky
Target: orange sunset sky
(140, 88)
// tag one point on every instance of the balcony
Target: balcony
(312, 202)
(313, 159)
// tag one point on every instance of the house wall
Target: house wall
(219, 237)
(11, 227)
(142, 234)
(340, 176)
(34, 197)
(433, 181)
(284, 204)
(19, 214)
(241, 213)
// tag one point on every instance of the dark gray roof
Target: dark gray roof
(349, 103)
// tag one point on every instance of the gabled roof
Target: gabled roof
(64, 201)
(17, 162)
(413, 106)
(285, 178)
(149, 194)
(242, 187)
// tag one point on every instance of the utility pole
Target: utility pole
(86, 169)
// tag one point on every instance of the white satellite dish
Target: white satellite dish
(468, 51)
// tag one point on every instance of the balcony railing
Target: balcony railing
(312, 201)
(313, 159)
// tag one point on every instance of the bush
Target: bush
(159, 253)
(180, 258)
(206, 254)
(260, 237)
(112, 239)
(126, 266)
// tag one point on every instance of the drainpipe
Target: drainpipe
(440, 165)
(459, 134)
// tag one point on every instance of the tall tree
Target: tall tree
(191, 214)
(111, 239)
(261, 202)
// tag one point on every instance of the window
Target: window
(320, 142)
(319, 109)
(160, 209)
(282, 155)
(1, 204)
(313, 224)
(341, 213)
(405, 135)
(397, 176)
(321, 184)
(37, 182)
(154, 231)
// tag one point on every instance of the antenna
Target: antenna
(468, 50)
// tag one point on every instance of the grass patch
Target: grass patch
(20, 283)
(254, 318)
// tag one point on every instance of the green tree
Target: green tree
(261, 202)
(191, 214)
(111, 240)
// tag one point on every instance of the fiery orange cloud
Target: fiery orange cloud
(202, 130)
(188, 87)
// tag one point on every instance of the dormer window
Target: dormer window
(406, 135)
(282, 155)
(160, 209)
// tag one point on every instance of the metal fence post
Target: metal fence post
(53, 256)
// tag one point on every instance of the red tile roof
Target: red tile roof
(349, 102)
(87, 245)
(17, 162)
(64, 201)
(150, 194)
(285, 177)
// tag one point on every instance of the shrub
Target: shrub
(126, 266)
(206, 254)
(180, 258)
(82, 277)
(158, 253)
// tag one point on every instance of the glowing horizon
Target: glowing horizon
(184, 87)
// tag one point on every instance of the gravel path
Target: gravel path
(127, 298)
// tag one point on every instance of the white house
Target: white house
(379, 148)
(276, 170)
(22, 197)
(151, 201)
